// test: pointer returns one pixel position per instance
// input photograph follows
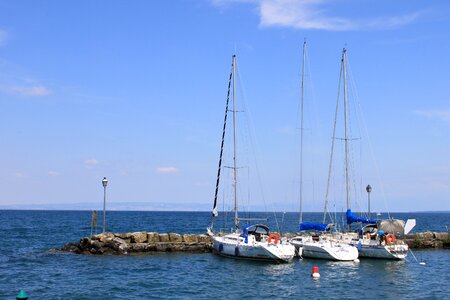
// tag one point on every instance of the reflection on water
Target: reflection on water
(277, 270)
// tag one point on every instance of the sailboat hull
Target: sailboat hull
(326, 250)
(235, 246)
(396, 252)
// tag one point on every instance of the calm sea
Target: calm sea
(26, 263)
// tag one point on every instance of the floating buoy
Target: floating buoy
(356, 260)
(315, 272)
(22, 295)
(422, 263)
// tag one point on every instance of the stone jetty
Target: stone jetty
(141, 242)
(428, 239)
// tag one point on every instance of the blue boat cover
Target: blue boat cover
(245, 230)
(313, 226)
(351, 218)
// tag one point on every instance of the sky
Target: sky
(135, 91)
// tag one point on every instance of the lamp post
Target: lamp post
(368, 189)
(105, 183)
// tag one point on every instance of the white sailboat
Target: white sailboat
(320, 246)
(377, 239)
(254, 242)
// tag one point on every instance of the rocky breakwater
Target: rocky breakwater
(140, 242)
(428, 239)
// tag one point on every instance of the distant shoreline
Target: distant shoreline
(195, 211)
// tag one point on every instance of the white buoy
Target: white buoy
(422, 263)
(315, 272)
(356, 260)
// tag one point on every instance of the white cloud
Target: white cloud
(312, 14)
(442, 115)
(89, 163)
(53, 173)
(34, 91)
(167, 170)
(19, 175)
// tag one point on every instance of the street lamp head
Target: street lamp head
(105, 182)
(368, 188)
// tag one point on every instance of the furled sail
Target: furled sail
(215, 212)
(315, 226)
(352, 218)
(391, 226)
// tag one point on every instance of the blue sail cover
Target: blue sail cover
(313, 226)
(351, 218)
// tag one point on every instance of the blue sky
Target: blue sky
(135, 91)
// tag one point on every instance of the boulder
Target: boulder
(96, 244)
(164, 238)
(84, 242)
(123, 236)
(425, 235)
(138, 247)
(175, 238)
(190, 238)
(441, 236)
(103, 236)
(152, 237)
(151, 248)
(163, 247)
(138, 237)
(72, 247)
(203, 238)
(118, 245)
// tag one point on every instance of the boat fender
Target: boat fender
(220, 247)
(236, 251)
(359, 245)
(273, 236)
(390, 238)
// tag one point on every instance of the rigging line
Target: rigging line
(332, 145)
(353, 147)
(318, 134)
(253, 144)
(374, 160)
(214, 213)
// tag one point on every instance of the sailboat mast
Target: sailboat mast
(236, 219)
(347, 183)
(301, 132)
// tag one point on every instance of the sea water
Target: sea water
(27, 262)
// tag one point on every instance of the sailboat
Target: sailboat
(254, 242)
(376, 239)
(321, 245)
